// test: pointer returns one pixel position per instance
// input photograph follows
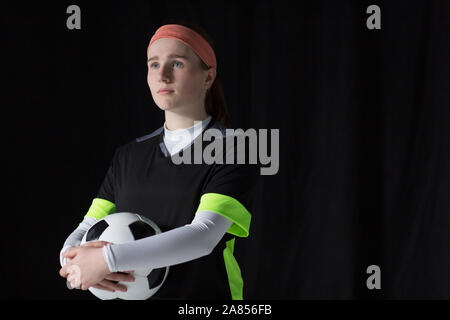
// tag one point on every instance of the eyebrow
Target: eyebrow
(169, 56)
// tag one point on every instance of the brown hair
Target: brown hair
(215, 104)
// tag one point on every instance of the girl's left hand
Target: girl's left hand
(86, 266)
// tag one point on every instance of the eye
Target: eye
(174, 64)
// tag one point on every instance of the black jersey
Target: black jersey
(143, 179)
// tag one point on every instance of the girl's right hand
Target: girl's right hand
(110, 281)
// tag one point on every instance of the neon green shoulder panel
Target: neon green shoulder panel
(100, 208)
(229, 208)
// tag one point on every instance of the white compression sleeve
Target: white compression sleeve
(175, 246)
(75, 237)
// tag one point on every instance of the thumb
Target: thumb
(70, 253)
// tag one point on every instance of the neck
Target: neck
(175, 121)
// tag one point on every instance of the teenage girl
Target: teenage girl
(200, 208)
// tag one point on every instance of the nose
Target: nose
(165, 74)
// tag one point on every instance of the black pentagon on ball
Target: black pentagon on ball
(156, 277)
(96, 230)
(140, 230)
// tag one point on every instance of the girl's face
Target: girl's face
(174, 66)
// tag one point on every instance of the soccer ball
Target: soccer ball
(120, 228)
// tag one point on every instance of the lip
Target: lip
(165, 91)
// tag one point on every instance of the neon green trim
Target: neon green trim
(233, 271)
(100, 208)
(230, 208)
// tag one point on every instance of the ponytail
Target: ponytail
(215, 104)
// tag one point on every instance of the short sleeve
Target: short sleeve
(104, 203)
(107, 188)
(230, 192)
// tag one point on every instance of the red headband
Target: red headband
(190, 38)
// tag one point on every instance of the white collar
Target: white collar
(175, 135)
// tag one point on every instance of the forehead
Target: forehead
(166, 46)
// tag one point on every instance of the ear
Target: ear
(210, 77)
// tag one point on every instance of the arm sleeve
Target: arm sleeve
(101, 206)
(75, 237)
(175, 246)
(98, 209)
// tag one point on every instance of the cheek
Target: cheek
(191, 85)
(149, 77)
(151, 81)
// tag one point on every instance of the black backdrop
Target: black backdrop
(364, 120)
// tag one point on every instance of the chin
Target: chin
(166, 106)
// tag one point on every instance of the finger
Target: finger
(69, 286)
(74, 284)
(73, 270)
(85, 285)
(99, 286)
(72, 276)
(63, 271)
(70, 253)
(130, 272)
(96, 244)
(74, 281)
(113, 286)
(117, 276)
